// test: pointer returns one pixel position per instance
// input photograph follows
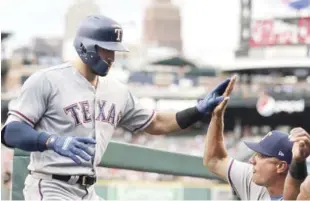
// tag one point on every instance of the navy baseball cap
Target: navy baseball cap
(274, 144)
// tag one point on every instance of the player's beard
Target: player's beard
(109, 62)
(110, 65)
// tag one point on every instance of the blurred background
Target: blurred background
(179, 50)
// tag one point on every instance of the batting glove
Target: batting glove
(207, 104)
(72, 147)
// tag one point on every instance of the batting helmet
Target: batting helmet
(98, 31)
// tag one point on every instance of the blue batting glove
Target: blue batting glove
(207, 105)
(72, 147)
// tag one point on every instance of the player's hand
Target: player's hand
(301, 146)
(221, 107)
(216, 96)
(72, 147)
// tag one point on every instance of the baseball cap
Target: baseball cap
(274, 144)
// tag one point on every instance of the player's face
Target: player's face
(264, 169)
(107, 55)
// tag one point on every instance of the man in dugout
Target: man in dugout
(264, 178)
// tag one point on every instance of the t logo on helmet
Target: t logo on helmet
(118, 34)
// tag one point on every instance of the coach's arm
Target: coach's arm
(293, 186)
(215, 155)
(304, 190)
(170, 122)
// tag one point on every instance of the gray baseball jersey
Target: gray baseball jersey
(239, 175)
(59, 100)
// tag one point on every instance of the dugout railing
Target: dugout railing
(124, 156)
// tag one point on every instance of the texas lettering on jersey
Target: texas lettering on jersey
(81, 113)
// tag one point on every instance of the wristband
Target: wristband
(298, 170)
(188, 117)
(42, 141)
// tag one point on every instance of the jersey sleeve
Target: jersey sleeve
(32, 102)
(135, 117)
(239, 176)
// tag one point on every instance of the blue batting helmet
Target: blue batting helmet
(98, 31)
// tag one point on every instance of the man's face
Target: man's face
(304, 193)
(266, 169)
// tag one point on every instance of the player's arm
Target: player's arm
(19, 130)
(298, 168)
(305, 190)
(169, 122)
(17, 134)
(215, 155)
(136, 118)
(165, 122)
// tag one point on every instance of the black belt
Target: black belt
(83, 180)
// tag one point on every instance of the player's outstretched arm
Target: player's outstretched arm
(298, 169)
(165, 123)
(215, 155)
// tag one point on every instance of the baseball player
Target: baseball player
(65, 115)
(297, 183)
(263, 178)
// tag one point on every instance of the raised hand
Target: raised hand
(301, 147)
(221, 107)
(216, 96)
